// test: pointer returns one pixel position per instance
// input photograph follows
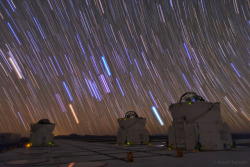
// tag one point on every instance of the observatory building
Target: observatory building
(132, 129)
(197, 124)
(41, 133)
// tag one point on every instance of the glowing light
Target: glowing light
(153, 98)
(28, 145)
(39, 27)
(106, 65)
(11, 5)
(58, 65)
(187, 51)
(95, 90)
(89, 87)
(157, 115)
(4, 69)
(1, 16)
(245, 115)
(138, 67)
(71, 164)
(230, 104)
(80, 42)
(73, 112)
(67, 89)
(21, 120)
(94, 63)
(119, 86)
(235, 70)
(104, 83)
(186, 81)
(14, 33)
(60, 102)
(171, 3)
(16, 68)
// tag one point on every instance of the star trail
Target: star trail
(83, 64)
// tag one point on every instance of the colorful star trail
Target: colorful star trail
(83, 64)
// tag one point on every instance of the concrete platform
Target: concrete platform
(78, 153)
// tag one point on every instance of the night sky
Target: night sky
(83, 64)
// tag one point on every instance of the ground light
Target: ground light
(51, 143)
(28, 145)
